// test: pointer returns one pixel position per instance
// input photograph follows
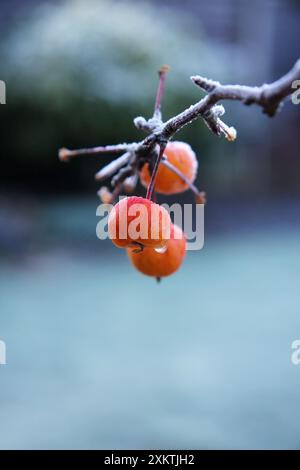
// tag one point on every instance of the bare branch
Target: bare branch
(155, 169)
(113, 166)
(122, 175)
(108, 197)
(65, 154)
(160, 90)
(130, 183)
(149, 125)
(176, 123)
(268, 96)
(105, 195)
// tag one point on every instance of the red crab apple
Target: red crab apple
(161, 262)
(183, 158)
(139, 221)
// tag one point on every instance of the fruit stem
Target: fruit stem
(160, 90)
(155, 170)
(200, 195)
(140, 247)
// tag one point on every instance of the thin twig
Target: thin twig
(160, 90)
(65, 154)
(130, 183)
(155, 170)
(108, 197)
(113, 166)
(268, 96)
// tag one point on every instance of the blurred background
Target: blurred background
(99, 356)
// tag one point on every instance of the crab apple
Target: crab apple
(139, 221)
(163, 261)
(182, 157)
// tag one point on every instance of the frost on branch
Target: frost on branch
(124, 169)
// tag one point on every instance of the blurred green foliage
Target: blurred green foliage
(78, 72)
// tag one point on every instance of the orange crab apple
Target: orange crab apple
(139, 221)
(161, 262)
(183, 158)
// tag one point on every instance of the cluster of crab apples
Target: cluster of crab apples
(155, 246)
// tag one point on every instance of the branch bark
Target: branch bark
(65, 154)
(268, 96)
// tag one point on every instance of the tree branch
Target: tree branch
(65, 154)
(162, 73)
(155, 170)
(268, 96)
(113, 166)
(126, 167)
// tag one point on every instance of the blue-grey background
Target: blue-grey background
(99, 356)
